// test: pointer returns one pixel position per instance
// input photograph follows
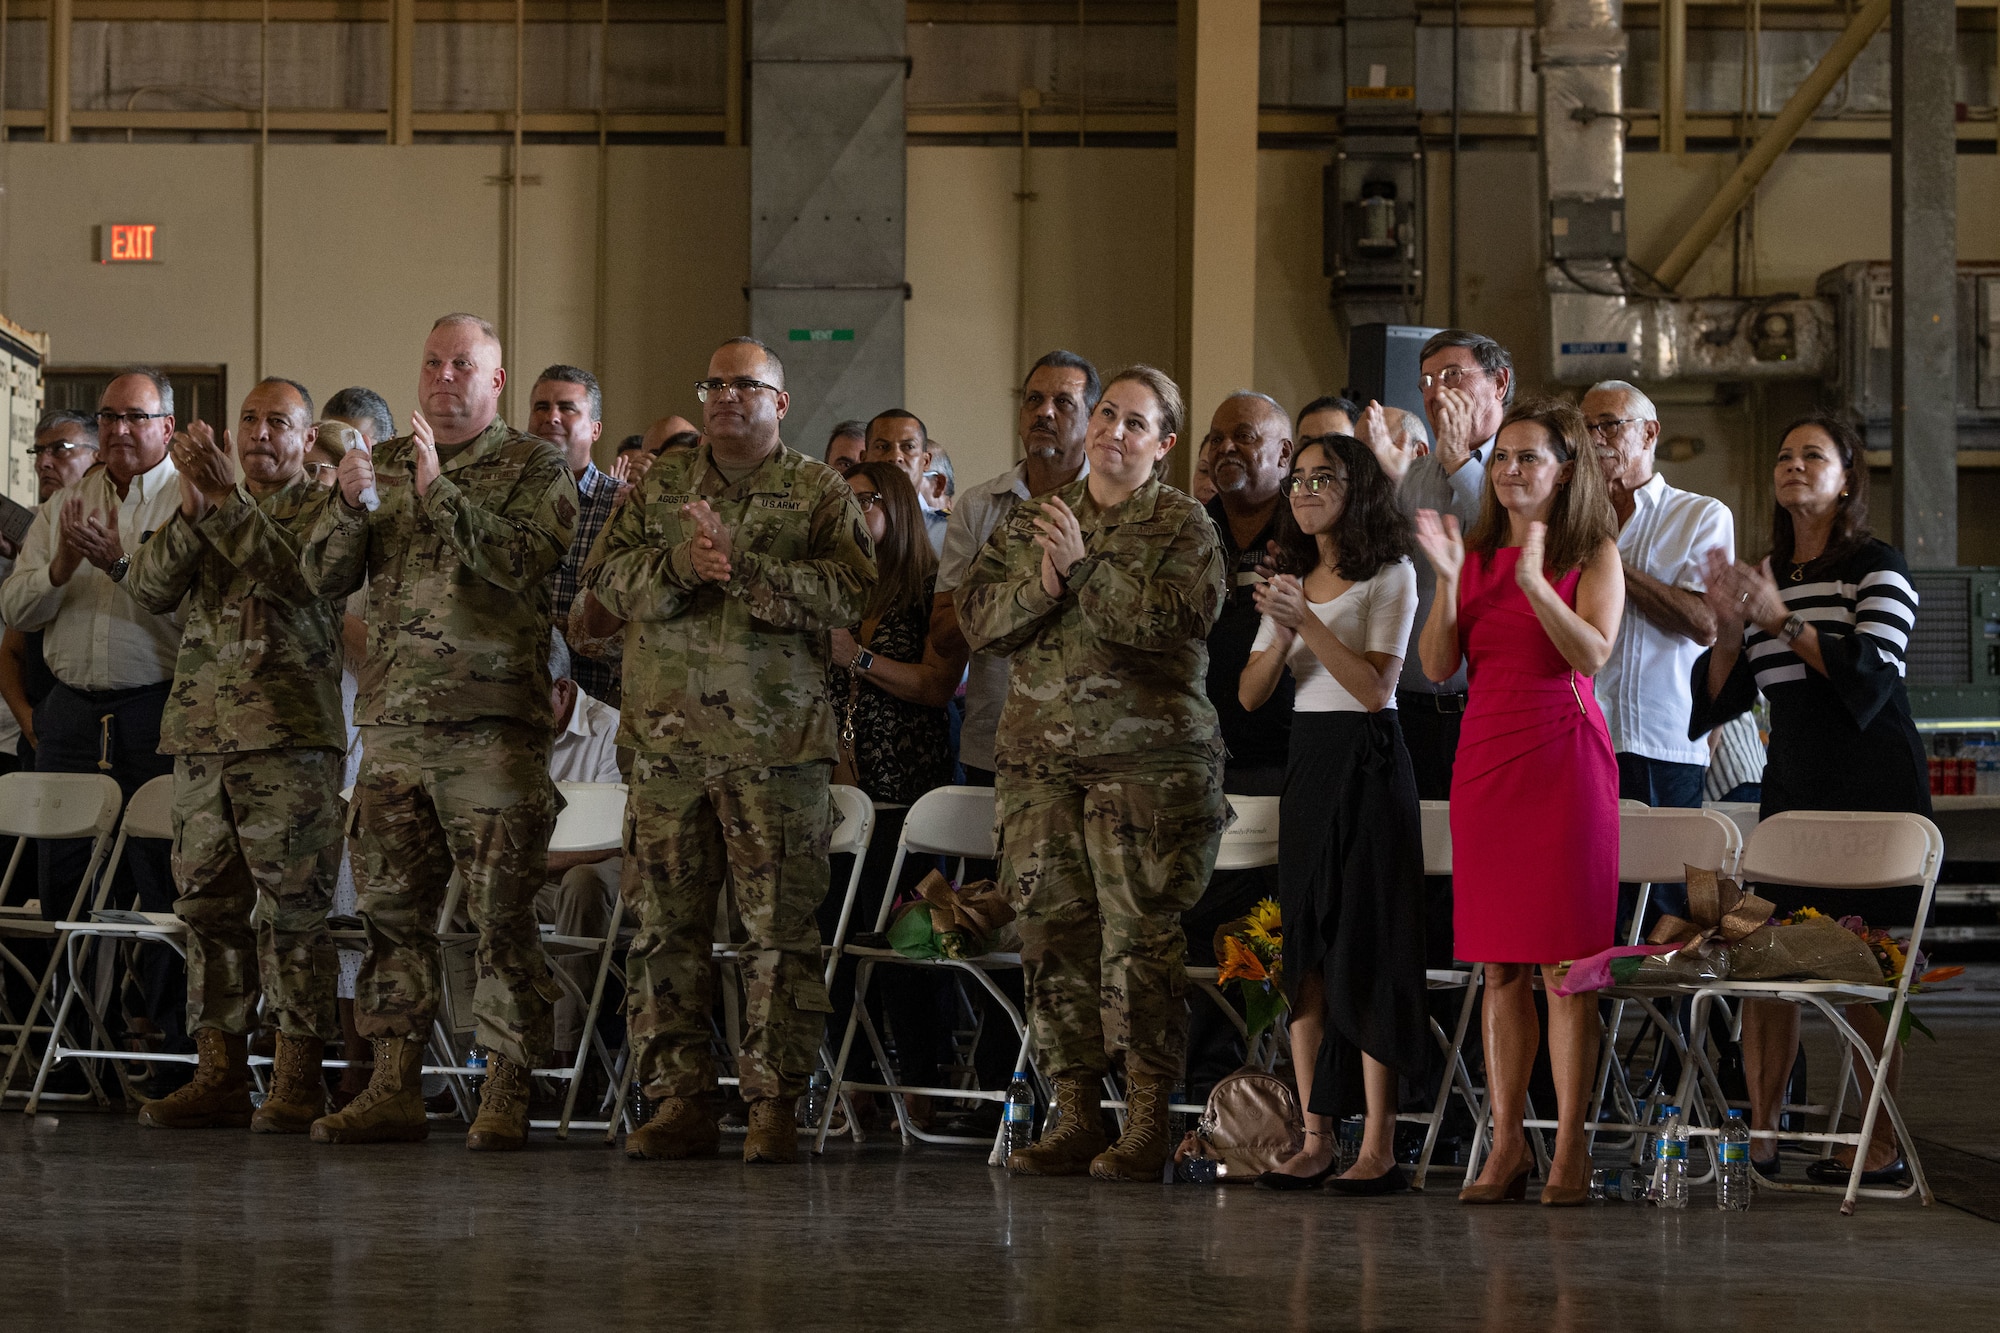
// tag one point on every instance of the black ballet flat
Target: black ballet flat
(1278, 1180)
(1392, 1181)
(1828, 1171)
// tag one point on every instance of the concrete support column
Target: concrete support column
(402, 69)
(1216, 188)
(1923, 179)
(1673, 75)
(61, 12)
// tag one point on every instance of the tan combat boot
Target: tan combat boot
(1141, 1152)
(391, 1108)
(681, 1127)
(1077, 1134)
(774, 1131)
(219, 1095)
(502, 1122)
(298, 1092)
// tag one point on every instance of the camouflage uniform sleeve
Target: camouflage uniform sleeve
(1160, 610)
(164, 566)
(828, 588)
(334, 556)
(998, 613)
(634, 576)
(262, 547)
(519, 546)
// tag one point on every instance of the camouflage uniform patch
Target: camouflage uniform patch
(257, 842)
(763, 833)
(725, 704)
(1108, 785)
(470, 795)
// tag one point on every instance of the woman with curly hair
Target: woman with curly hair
(1531, 598)
(1350, 834)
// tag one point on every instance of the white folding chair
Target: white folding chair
(592, 820)
(1655, 846)
(1437, 861)
(53, 806)
(1839, 850)
(954, 822)
(1250, 842)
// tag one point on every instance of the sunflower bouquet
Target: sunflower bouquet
(1251, 953)
(1890, 954)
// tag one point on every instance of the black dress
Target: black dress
(1351, 888)
(1843, 740)
(901, 749)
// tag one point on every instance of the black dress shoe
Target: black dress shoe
(1767, 1167)
(1828, 1171)
(1278, 1180)
(1392, 1181)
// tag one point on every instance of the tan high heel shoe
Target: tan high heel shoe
(1514, 1191)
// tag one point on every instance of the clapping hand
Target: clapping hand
(204, 464)
(1721, 590)
(1443, 546)
(1454, 428)
(1758, 595)
(712, 543)
(1282, 598)
(1528, 570)
(90, 536)
(1373, 431)
(1060, 536)
(423, 452)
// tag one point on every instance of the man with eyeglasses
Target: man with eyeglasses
(258, 739)
(472, 517)
(112, 658)
(1645, 688)
(65, 448)
(899, 437)
(738, 558)
(1057, 398)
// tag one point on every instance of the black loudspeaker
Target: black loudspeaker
(1384, 362)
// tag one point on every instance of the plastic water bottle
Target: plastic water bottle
(815, 1098)
(1670, 1184)
(475, 1060)
(1621, 1186)
(1732, 1165)
(1020, 1113)
(1201, 1171)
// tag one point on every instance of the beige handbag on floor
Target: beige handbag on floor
(1251, 1124)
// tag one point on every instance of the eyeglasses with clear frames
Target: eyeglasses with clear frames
(106, 420)
(60, 448)
(1452, 376)
(739, 387)
(1313, 485)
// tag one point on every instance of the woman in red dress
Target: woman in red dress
(1531, 598)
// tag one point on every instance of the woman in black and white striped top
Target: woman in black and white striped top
(1821, 627)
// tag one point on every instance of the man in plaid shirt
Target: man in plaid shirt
(566, 408)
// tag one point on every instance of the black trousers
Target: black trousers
(83, 733)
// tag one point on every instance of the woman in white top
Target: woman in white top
(1350, 834)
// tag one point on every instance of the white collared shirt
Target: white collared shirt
(587, 749)
(978, 511)
(1644, 689)
(97, 637)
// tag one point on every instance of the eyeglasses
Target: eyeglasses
(867, 499)
(1313, 485)
(1604, 430)
(60, 448)
(740, 387)
(106, 420)
(1452, 376)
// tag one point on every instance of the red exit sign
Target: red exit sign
(128, 243)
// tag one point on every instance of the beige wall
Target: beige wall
(367, 245)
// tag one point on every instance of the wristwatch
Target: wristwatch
(118, 568)
(1794, 626)
(863, 659)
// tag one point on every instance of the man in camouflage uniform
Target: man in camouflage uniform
(1108, 778)
(454, 704)
(254, 725)
(731, 563)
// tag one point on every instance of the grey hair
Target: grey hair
(160, 382)
(1491, 356)
(461, 317)
(776, 367)
(561, 374)
(1642, 406)
(305, 394)
(1408, 423)
(559, 663)
(357, 403)
(63, 416)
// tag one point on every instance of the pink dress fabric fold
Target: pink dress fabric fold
(1534, 792)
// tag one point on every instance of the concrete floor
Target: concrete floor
(109, 1225)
